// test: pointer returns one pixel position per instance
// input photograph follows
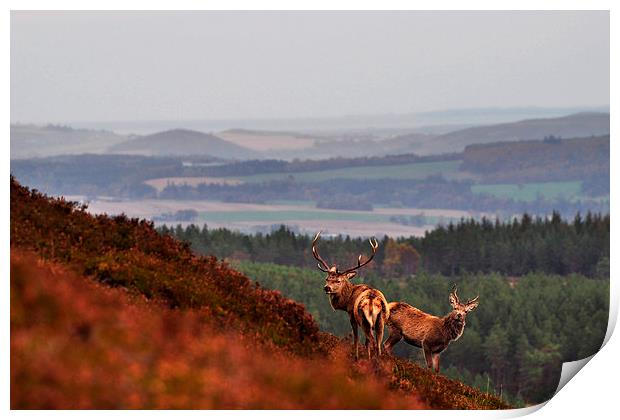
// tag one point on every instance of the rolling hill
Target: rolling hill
(30, 141)
(181, 142)
(547, 160)
(133, 319)
(584, 124)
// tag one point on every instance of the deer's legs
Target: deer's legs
(369, 345)
(394, 337)
(427, 355)
(369, 337)
(379, 327)
(436, 362)
(355, 338)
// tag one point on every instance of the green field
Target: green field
(529, 192)
(408, 171)
(292, 202)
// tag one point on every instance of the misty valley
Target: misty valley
(180, 176)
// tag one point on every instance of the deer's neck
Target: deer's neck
(453, 327)
(341, 299)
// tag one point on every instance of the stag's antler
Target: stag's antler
(374, 245)
(453, 293)
(470, 301)
(323, 266)
(474, 300)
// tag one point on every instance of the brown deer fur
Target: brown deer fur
(430, 333)
(371, 312)
(366, 307)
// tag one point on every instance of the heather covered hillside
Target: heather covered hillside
(134, 319)
(106, 348)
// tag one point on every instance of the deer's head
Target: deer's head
(460, 310)
(336, 279)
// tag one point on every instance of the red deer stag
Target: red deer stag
(366, 306)
(432, 334)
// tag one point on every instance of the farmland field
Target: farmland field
(409, 171)
(529, 192)
(258, 217)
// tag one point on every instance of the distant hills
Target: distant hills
(402, 122)
(571, 126)
(576, 125)
(553, 159)
(30, 141)
(182, 142)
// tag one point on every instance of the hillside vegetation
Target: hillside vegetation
(133, 319)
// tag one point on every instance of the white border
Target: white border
(592, 394)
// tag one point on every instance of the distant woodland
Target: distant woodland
(514, 248)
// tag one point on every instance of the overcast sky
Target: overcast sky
(110, 66)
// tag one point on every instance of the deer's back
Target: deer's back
(358, 289)
(375, 304)
(415, 325)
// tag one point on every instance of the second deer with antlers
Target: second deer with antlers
(366, 306)
(431, 333)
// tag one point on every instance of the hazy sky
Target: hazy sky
(102, 66)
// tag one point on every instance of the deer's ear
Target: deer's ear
(454, 301)
(351, 275)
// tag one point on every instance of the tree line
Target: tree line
(515, 247)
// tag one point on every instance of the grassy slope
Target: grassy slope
(178, 330)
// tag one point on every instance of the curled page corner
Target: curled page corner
(569, 370)
(521, 412)
(613, 312)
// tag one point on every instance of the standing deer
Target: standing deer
(432, 334)
(366, 306)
